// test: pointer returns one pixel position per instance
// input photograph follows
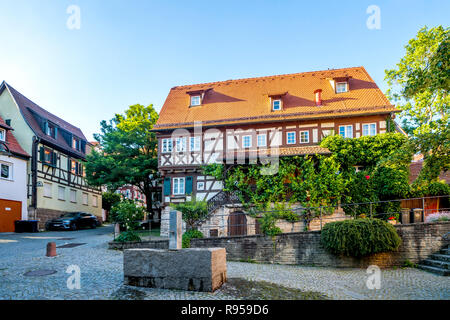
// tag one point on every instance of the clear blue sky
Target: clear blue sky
(129, 52)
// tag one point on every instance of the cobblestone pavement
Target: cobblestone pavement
(101, 274)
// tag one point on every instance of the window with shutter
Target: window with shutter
(188, 185)
(167, 186)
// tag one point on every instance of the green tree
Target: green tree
(420, 85)
(128, 153)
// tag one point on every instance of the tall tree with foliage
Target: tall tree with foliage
(129, 153)
(420, 84)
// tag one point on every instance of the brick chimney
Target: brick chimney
(318, 97)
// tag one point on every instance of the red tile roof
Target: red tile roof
(11, 141)
(247, 100)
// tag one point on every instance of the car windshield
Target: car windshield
(69, 215)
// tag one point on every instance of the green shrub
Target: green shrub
(193, 212)
(268, 224)
(188, 235)
(359, 237)
(128, 236)
(127, 214)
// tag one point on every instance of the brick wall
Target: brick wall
(418, 242)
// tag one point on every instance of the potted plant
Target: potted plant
(392, 220)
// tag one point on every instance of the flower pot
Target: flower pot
(393, 222)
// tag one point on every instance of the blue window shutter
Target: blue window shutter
(41, 154)
(54, 158)
(188, 185)
(167, 186)
(45, 126)
(56, 133)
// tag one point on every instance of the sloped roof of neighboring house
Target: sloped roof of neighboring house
(11, 142)
(33, 113)
(247, 100)
(414, 170)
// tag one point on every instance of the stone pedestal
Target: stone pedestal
(194, 269)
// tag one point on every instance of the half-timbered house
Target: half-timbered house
(284, 115)
(56, 179)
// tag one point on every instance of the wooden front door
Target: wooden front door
(237, 224)
(10, 211)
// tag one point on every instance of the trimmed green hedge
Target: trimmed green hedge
(188, 235)
(359, 237)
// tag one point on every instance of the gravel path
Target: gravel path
(101, 274)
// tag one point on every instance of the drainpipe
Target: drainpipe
(34, 160)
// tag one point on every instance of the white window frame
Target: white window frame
(345, 87)
(261, 143)
(346, 135)
(167, 145)
(47, 188)
(200, 185)
(244, 139)
(194, 143)
(287, 137)
(10, 170)
(2, 134)
(301, 137)
(196, 100)
(368, 125)
(180, 144)
(73, 193)
(95, 201)
(85, 198)
(273, 104)
(63, 197)
(178, 186)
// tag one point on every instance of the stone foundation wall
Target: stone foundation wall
(419, 241)
(218, 222)
(43, 215)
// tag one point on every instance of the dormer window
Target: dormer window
(2, 134)
(76, 144)
(51, 130)
(276, 104)
(341, 87)
(196, 101)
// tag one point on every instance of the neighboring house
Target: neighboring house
(13, 179)
(133, 193)
(56, 177)
(285, 115)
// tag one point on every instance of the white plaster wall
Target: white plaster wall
(15, 189)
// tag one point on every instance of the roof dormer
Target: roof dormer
(196, 97)
(276, 100)
(340, 84)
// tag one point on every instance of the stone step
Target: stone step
(439, 271)
(437, 263)
(441, 257)
(445, 251)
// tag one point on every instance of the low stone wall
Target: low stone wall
(419, 241)
(152, 244)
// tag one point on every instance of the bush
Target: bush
(127, 214)
(128, 236)
(188, 235)
(193, 212)
(359, 237)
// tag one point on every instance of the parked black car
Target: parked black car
(73, 221)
